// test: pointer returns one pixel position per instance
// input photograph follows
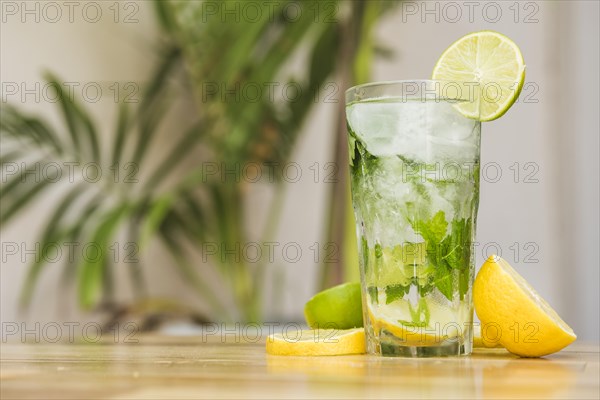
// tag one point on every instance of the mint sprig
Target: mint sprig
(420, 315)
(447, 252)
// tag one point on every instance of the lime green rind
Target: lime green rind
(339, 307)
(520, 77)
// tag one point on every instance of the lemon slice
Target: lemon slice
(493, 64)
(482, 341)
(339, 307)
(526, 325)
(448, 323)
(317, 342)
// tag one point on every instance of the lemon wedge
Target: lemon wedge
(526, 325)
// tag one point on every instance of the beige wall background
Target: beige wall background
(541, 212)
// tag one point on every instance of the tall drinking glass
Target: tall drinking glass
(414, 164)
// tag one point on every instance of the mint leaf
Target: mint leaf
(372, 292)
(412, 324)
(351, 146)
(443, 281)
(464, 278)
(457, 244)
(365, 254)
(447, 253)
(458, 252)
(476, 169)
(378, 251)
(420, 316)
(362, 162)
(424, 289)
(433, 230)
(395, 292)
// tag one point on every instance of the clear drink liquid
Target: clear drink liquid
(415, 190)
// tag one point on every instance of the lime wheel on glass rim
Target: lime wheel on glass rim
(492, 61)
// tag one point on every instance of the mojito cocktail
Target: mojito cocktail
(414, 161)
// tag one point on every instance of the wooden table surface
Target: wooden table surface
(185, 368)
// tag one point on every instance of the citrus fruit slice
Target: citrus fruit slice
(493, 64)
(482, 341)
(438, 323)
(526, 325)
(317, 342)
(339, 307)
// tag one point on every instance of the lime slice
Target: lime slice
(318, 342)
(398, 265)
(493, 64)
(524, 322)
(339, 307)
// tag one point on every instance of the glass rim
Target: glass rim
(422, 89)
(392, 82)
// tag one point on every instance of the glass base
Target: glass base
(388, 345)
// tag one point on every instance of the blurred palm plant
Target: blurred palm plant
(202, 51)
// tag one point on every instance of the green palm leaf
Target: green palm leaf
(24, 196)
(91, 272)
(230, 130)
(185, 145)
(154, 104)
(77, 232)
(76, 119)
(10, 156)
(157, 213)
(138, 282)
(50, 237)
(188, 272)
(197, 217)
(18, 124)
(123, 123)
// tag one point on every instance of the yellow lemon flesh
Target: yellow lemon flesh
(523, 322)
(447, 323)
(482, 341)
(317, 342)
